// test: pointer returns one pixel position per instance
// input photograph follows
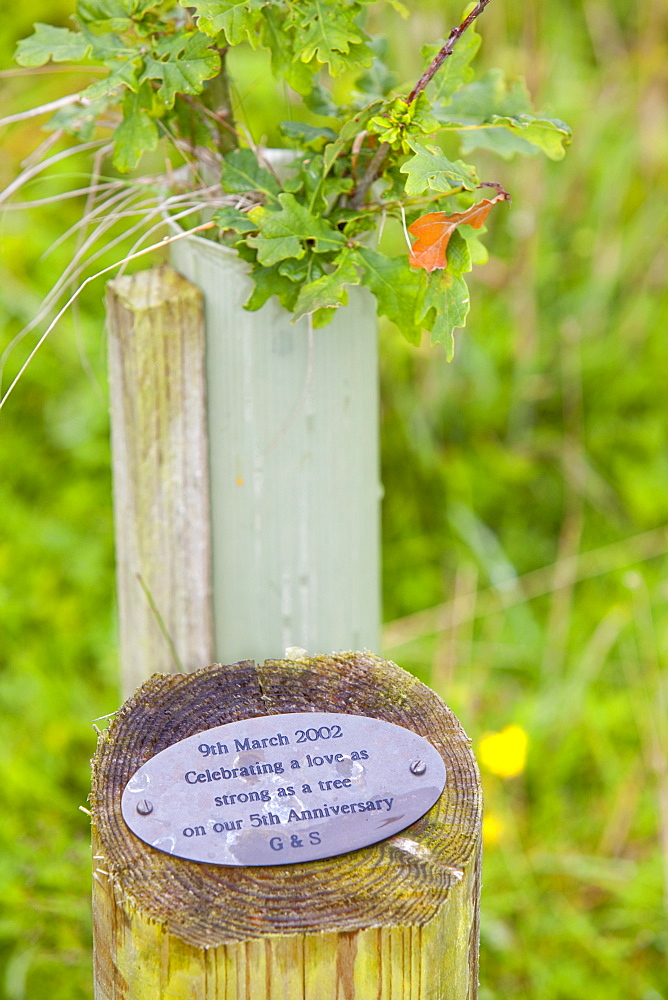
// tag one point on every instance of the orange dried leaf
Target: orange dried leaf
(433, 232)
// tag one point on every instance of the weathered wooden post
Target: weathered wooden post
(294, 488)
(394, 921)
(287, 551)
(161, 474)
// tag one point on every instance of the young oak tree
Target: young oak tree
(381, 151)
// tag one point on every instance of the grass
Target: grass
(525, 510)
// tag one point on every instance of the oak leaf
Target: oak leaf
(433, 231)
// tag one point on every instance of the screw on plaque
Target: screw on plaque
(144, 807)
(418, 767)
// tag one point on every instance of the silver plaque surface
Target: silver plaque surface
(280, 789)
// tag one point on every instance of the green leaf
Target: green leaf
(307, 135)
(458, 254)
(349, 130)
(431, 170)
(108, 47)
(378, 80)
(242, 173)
(322, 317)
(329, 291)
(137, 133)
(477, 249)
(285, 63)
(320, 192)
(297, 270)
(397, 287)
(124, 75)
(492, 94)
(548, 134)
(231, 218)
(79, 119)
(456, 69)
(47, 42)
(182, 63)
(354, 222)
(328, 34)
(284, 233)
(443, 306)
(104, 15)
(269, 281)
(497, 116)
(239, 20)
(186, 123)
(399, 122)
(319, 101)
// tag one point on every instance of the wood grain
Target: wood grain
(161, 479)
(394, 921)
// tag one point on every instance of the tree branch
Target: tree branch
(376, 164)
(217, 103)
(370, 174)
(446, 51)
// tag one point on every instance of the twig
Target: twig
(374, 168)
(370, 174)
(446, 51)
(403, 223)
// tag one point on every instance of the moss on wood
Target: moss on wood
(393, 921)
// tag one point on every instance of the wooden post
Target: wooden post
(160, 471)
(283, 548)
(394, 921)
(292, 539)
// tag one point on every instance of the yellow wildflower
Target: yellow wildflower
(504, 753)
(493, 828)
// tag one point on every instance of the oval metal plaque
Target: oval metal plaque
(280, 789)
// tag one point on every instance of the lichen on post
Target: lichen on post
(155, 322)
(394, 921)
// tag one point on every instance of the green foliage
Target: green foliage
(363, 151)
(329, 291)
(242, 172)
(138, 131)
(430, 170)
(180, 64)
(446, 296)
(288, 231)
(494, 115)
(524, 500)
(397, 288)
(48, 42)
(400, 121)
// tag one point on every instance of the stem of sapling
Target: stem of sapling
(446, 50)
(217, 101)
(374, 169)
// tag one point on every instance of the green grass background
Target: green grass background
(526, 493)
